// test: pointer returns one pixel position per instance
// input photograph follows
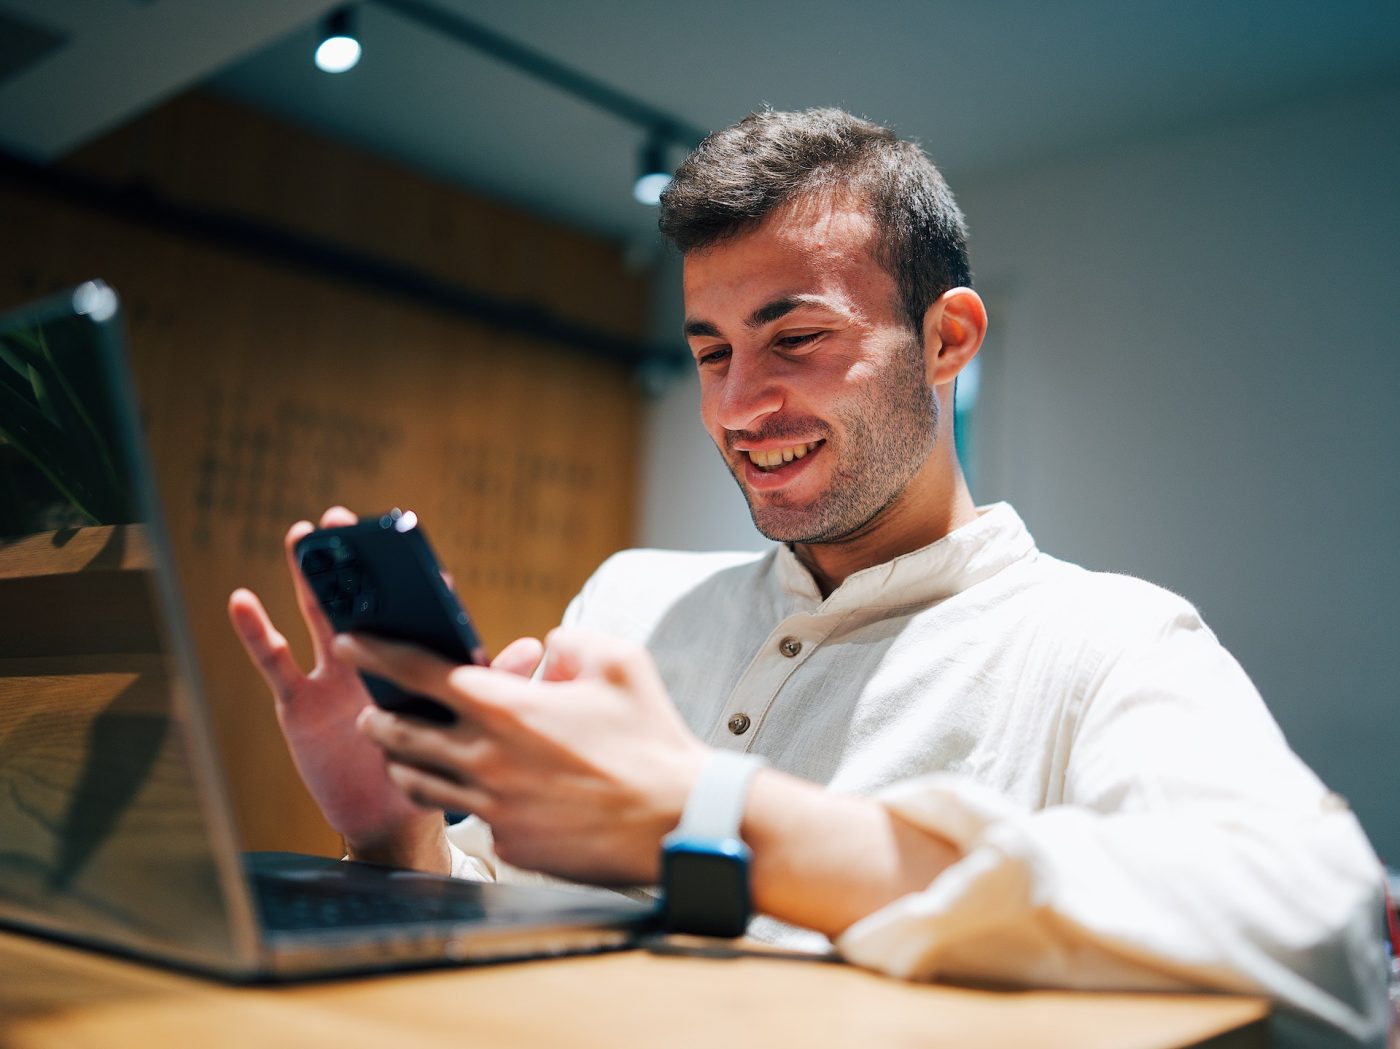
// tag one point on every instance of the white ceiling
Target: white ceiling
(984, 85)
(112, 59)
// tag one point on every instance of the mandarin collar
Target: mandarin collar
(966, 556)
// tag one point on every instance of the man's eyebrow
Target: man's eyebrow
(771, 311)
(765, 314)
(699, 327)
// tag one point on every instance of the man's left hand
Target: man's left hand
(579, 774)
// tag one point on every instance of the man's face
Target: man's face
(812, 385)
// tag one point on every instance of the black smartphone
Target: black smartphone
(380, 577)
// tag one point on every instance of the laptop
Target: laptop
(116, 829)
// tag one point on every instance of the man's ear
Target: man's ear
(954, 327)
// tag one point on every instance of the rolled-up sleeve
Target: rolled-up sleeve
(1192, 850)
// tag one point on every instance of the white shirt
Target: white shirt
(1129, 813)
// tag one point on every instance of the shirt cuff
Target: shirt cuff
(472, 849)
(969, 898)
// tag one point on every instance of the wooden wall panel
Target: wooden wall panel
(270, 393)
(205, 150)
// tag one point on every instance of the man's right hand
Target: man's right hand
(344, 771)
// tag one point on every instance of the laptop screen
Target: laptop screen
(60, 463)
(103, 811)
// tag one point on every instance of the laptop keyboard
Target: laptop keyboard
(293, 905)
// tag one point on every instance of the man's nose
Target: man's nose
(751, 391)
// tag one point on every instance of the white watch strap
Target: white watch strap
(715, 808)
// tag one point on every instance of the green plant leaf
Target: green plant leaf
(44, 467)
(41, 396)
(96, 440)
(11, 358)
(42, 416)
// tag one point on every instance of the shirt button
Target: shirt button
(1334, 802)
(739, 724)
(789, 646)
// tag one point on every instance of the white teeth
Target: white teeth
(778, 456)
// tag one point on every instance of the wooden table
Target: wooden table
(56, 996)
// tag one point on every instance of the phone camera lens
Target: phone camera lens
(317, 559)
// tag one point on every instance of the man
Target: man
(984, 763)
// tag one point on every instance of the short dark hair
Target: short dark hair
(740, 175)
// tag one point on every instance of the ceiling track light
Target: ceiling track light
(653, 174)
(339, 49)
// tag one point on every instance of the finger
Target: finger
(560, 665)
(410, 667)
(474, 693)
(265, 644)
(317, 625)
(472, 761)
(566, 655)
(409, 742)
(431, 791)
(520, 657)
(571, 653)
(338, 517)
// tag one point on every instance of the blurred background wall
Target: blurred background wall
(273, 387)
(1183, 220)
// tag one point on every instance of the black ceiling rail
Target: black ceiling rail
(542, 67)
(143, 205)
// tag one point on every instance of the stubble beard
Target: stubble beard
(888, 434)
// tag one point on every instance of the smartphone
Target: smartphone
(380, 577)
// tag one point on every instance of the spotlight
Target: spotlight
(654, 176)
(338, 50)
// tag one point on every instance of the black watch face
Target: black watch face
(706, 893)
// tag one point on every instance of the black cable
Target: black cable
(542, 67)
(326, 258)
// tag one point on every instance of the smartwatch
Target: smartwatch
(704, 862)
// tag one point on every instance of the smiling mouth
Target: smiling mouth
(774, 458)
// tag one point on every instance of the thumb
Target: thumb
(520, 657)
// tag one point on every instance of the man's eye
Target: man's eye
(794, 342)
(714, 356)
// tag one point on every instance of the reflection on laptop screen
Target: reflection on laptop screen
(58, 446)
(102, 834)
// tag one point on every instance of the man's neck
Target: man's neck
(908, 524)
